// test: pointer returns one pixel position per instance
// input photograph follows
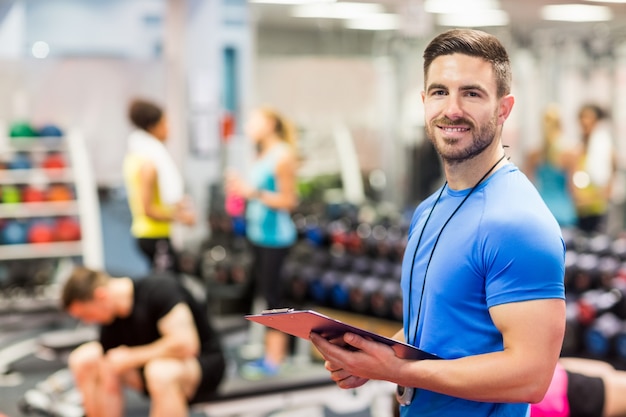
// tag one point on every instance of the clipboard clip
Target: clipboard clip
(277, 311)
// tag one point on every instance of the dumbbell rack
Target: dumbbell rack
(78, 175)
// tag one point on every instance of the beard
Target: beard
(482, 138)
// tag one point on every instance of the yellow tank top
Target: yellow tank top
(142, 225)
(591, 198)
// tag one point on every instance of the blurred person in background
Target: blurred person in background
(154, 186)
(595, 169)
(583, 388)
(550, 168)
(154, 338)
(270, 194)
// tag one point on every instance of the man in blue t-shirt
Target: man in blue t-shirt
(482, 274)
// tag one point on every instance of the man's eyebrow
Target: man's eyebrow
(437, 86)
(473, 87)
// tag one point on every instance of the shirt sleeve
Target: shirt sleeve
(524, 262)
(163, 295)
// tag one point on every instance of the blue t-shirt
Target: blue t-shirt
(266, 226)
(502, 246)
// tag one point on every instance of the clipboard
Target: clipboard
(301, 323)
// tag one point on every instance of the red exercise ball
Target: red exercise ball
(66, 229)
(40, 232)
(53, 161)
(31, 194)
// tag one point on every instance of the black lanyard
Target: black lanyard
(419, 311)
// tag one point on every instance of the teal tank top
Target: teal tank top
(266, 226)
(551, 182)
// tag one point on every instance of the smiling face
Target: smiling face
(462, 111)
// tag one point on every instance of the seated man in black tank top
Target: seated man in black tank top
(154, 338)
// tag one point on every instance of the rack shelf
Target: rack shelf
(76, 175)
(43, 209)
(36, 176)
(41, 250)
(35, 144)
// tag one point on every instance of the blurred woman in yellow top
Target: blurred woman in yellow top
(154, 186)
(595, 169)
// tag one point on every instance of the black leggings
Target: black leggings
(266, 273)
(160, 254)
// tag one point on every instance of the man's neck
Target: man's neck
(466, 174)
(122, 290)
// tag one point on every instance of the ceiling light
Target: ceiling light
(458, 6)
(479, 18)
(40, 49)
(342, 10)
(379, 21)
(290, 2)
(608, 1)
(576, 13)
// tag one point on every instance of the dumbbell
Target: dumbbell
(599, 337)
(320, 258)
(619, 343)
(571, 259)
(394, 243)
(240, 268)
(339, 232)
(214, 265)
(618, 248)
(362, 265)
(299, 220)
(608, 268)
(587, 273)
(599, 245)
(189, 263)
(382, 268)
(382, 299)
(320, 289)
(315, 232)
(360, 296)
(299, 281)
(572, 340)
(341, 291)
(595, 303)
(340, 260)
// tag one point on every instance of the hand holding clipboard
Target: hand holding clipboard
(301, 323)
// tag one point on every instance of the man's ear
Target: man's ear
(100, 293)
(506, 105)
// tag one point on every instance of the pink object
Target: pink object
(555, 403)
(235, 205)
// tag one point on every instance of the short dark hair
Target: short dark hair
(144, 114)
(81, 284)
(474, 43)
(599, 111)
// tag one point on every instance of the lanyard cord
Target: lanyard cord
(419, 311)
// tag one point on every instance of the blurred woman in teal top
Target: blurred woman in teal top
(551, 167)
(270, 194)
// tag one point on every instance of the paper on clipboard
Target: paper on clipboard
(301, 323)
